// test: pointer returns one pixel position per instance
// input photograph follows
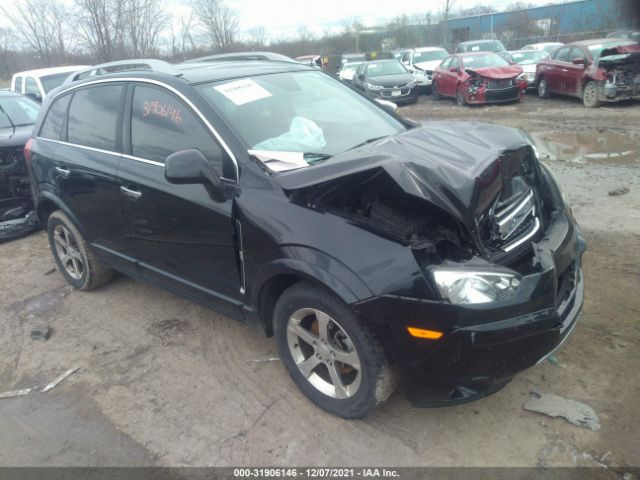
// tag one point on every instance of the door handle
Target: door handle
(132, 194)
(565, 70)
(64, 173)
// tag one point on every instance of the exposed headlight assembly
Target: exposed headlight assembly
(371, 86)
(521, 77)
(467, 286)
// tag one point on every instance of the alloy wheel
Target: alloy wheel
(68, 252)
(590, 95)
(324, 353)
(542, 88)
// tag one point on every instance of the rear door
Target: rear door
(86, 161)
(182, 237)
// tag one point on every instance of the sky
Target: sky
(282, 18)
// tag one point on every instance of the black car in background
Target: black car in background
(373, 249)
(18, 113)
(386, 79)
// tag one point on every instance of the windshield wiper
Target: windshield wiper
(370, 140)
(313, 157)
(8, 117)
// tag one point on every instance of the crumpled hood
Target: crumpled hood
(497, 73)
(452, 165)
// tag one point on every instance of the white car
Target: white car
(421, 62)
(37, 83)
(348, 70)
(548, 47)
(527, 60)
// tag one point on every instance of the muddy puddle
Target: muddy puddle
(599, 148)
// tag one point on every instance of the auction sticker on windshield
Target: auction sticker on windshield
(243, 91)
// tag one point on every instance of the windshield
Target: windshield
(596, 50)
(17, 111)
(529, 57)
(482, 61)
(385, 68)
(50, 82)
(298, 112)
(429, 56)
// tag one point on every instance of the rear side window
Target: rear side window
(52, 125)
(93, 116)
(562, 55)
(161, 124)
(19, 84)
(31, 86)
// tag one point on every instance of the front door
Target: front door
(181, 236)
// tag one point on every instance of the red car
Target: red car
(480, 77)
(602, 70)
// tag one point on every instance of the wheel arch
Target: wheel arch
(47, 204)
(271, 282)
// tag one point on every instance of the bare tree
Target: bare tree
(101, 26)
(400, 32)
(41, 25)
(257, 37)
(220, 21)
(6, 51)
(143, 22)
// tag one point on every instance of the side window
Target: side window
(19, 84)
(31, 86)
(161, 124)
(562, 55)
(576, 52)
(93, 116)
(52, 125)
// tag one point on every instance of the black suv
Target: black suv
(373, 249)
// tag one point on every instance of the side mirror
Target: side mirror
(191, 167)
(579, 61)
(453, 69)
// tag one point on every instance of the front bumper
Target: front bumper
(397, 95)
(609, 92)
(485, 345)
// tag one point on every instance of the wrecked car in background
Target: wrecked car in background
(475, 78)
(528, 60)
(17, 116)
(602, 70)
(373, 249)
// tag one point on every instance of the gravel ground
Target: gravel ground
(163, 381)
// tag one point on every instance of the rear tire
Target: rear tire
(590, 95)
(73, 255)
(314, 330)
(543, 88)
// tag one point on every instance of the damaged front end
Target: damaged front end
(17, 216)
(482, 89)
(488, 228)
(619, 74)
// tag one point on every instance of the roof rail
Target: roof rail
(146, 64)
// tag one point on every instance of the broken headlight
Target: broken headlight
(465, 287)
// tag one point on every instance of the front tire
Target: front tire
(434, 91)
(460, 100)
(590, 95)
(333, 357)
(73, 255)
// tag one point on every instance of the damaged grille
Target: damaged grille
(516, 222)
(505, 83)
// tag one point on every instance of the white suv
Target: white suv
(37, 83)
(421, 62)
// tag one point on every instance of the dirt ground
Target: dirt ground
(163, 381)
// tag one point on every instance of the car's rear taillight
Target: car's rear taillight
(27, 151)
